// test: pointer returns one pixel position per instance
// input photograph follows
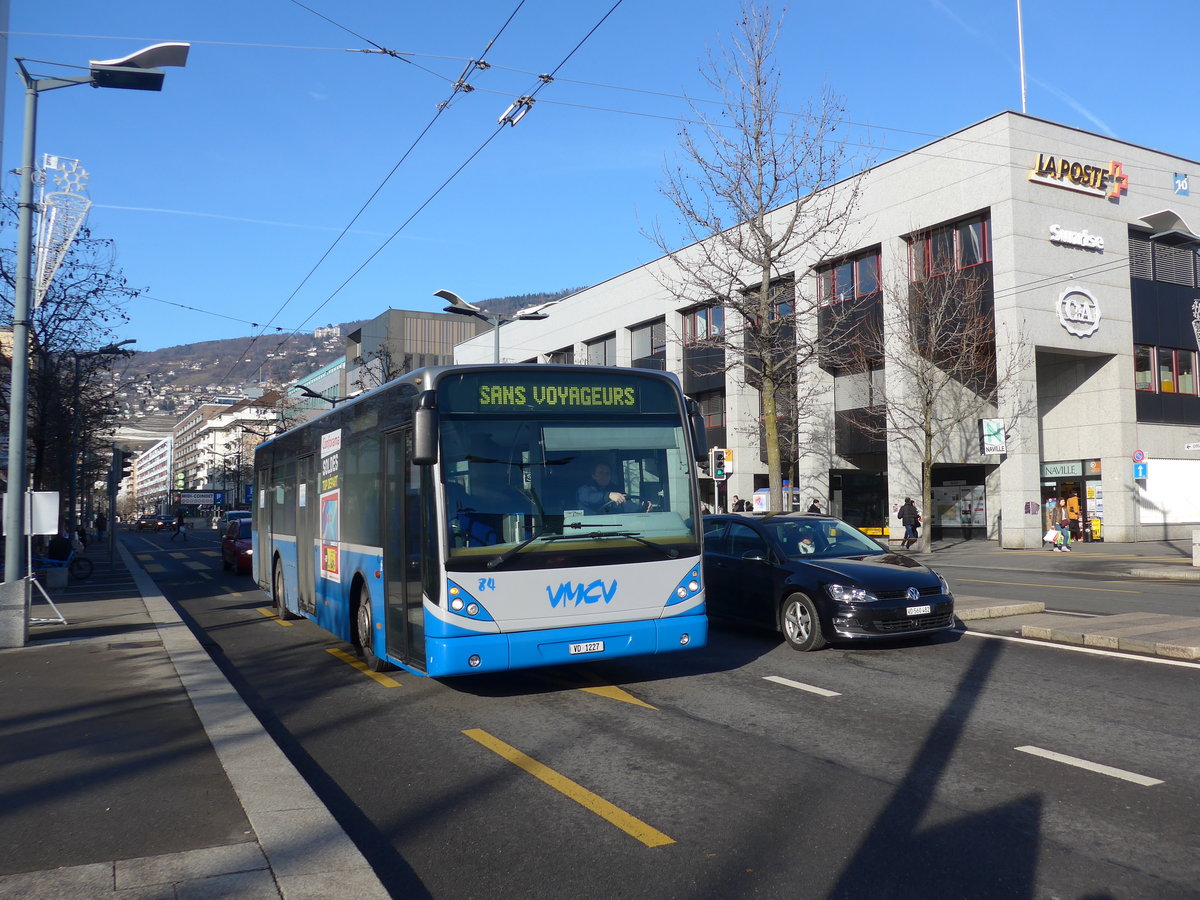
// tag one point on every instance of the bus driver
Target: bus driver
(601, 495)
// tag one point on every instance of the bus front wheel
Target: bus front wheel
(279, 594)
(364, 632)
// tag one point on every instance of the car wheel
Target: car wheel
(279, 594)
(800, 624)
(364, 632)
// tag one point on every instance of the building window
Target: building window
(1163, 261)
(1143, 369)
(649, 340)
(705, 323)
(948, 248)
(563, 357)
(851, 278)
(1185, 371)
(602, 352)
(712, 408)
(1164, 370)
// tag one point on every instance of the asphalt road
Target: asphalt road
(722, 772)
(1075, 583)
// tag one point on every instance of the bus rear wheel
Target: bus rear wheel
(364, 632)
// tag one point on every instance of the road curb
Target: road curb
(971, 609)
(305, 846)
(1175, 573)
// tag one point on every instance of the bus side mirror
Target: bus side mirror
(699, 431)
(425, 430)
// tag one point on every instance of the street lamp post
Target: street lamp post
(463, 308)
(72, 502)
(134, 72)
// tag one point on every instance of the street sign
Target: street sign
(1139, 471)
(1191, 446)
(1139, 456)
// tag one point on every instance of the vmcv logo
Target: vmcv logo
(581, 593)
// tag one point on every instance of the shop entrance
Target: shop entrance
(1076, 486)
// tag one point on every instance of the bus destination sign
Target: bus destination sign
(515, 396)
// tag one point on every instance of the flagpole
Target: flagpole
(1021, 47)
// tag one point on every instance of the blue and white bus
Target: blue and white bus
(443, 523)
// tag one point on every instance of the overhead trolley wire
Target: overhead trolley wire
(458, 87)
(543, 81)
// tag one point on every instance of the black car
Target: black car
(816, 579)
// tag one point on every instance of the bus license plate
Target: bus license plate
(919, 610)
(588, 647)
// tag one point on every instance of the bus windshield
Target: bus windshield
(538, 463)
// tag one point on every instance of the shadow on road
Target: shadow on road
(901, 856)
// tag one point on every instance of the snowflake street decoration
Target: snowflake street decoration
(62, 215)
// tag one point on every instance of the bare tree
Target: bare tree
(936, 340)
(757, 188)
(68, 402)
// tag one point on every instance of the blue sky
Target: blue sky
(224, 191)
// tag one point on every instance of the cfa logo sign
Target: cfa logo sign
(569, 594)
(1078, 312)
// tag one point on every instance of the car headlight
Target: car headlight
(944, 583)
(849, 593)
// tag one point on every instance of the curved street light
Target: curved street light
(463, 308)
(138, 72)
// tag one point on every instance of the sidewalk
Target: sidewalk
(1153, 634)
(133, 769)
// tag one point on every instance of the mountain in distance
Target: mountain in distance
(157, 387)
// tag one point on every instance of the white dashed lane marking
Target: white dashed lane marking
(801, 686)
(1143, 780)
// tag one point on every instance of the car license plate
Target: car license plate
(919, 610)
(588, 647)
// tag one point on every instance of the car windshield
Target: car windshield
(803, 537)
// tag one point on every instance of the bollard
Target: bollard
(1196, 548)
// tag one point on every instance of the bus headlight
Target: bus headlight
(472, 609)
(456, 604)
(684, 640)
(474, 661)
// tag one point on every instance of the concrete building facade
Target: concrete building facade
(1087, 252)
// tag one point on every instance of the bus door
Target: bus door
(307, 503)
(401, 521)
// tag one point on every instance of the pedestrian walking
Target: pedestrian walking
(180, 526)
(101, 525)
(815, 506)
(911, 519)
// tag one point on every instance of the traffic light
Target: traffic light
(122, 465)
(716, 464)
(126, 467)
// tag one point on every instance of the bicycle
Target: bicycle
(78, 567)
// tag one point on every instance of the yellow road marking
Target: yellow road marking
(175, 554)
(198, 566)
(631, 825)
(612, 692)
(1056, 587)
(270, 614)
(155, 568)
(144, 557)
(362, 667)
(213, 553)
(205, 576)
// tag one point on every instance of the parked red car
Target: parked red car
(236, 552)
